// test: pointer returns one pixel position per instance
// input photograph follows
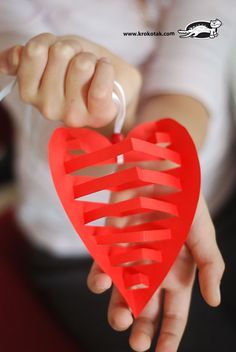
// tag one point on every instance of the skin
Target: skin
(79, 76)
(75, 73)
(169, 306)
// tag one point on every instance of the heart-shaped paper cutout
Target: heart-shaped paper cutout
(153, 246)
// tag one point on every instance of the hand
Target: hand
(169, 306)
(69, 78)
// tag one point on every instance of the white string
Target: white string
(7, 90)
(120, 102)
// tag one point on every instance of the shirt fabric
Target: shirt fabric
(196, 67)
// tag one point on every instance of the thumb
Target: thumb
(10, 59)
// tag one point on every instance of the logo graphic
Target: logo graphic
(201, 29)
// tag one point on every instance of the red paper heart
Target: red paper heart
(158, 242)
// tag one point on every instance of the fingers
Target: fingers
(79, 75)
(61, 81)
(32, 65)
(203, 246)
(175, 314)
(142, 334)
(52, 84)
(10, 59)
(119, 315)
(89, 87)
(98, 281)
(100, 104)
(145, 326)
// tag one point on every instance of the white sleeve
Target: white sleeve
(19, 21)
(193, 66)
(14, 16)
(200, 68)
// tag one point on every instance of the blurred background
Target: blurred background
(27, 325)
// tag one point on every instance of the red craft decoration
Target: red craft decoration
(152, 245)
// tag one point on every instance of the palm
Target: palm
(169, 305)
(182, 271)
(174, 293)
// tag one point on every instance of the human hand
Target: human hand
(69, 78)
(169, 306)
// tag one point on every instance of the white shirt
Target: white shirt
(196, 67)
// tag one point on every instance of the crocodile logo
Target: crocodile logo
(201, 29)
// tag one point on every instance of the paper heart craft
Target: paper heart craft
(152, 245)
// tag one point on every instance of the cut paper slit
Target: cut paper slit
(135, 236)
(163, 139)
(122, 255)
(130, 207)
(146, 150)
(136, 281)
(135, 176)
(137, 256)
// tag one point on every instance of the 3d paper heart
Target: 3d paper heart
(150, 246)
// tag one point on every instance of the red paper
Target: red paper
(154, 245)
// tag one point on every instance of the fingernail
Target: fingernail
(106, 284)
(106, 60)
(102, 285)
(121, 321)
(144, 341)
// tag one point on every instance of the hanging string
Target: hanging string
(118, 97)
(121, 103)
(7, 90)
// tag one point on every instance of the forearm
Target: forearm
(184, 109)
